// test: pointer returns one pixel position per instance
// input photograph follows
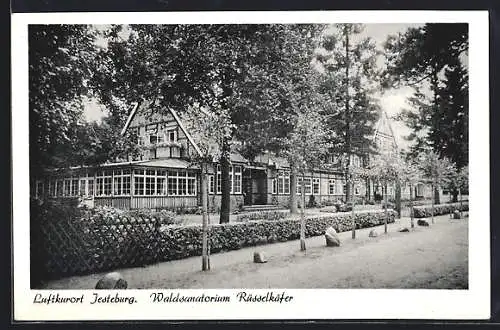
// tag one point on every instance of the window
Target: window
(74, 186)
(356, 190)
(219, 179)
(139, 182)
(83, 187)
(191, 184)
(237, 180)
(161, 178)
(108, 183)
(104, 183)
(283, 183)
(59, 187)
(172, 135)
(67, 187)
(231, 180)
(39, 188)
(331, 187)
(307, 184)
(121, 182)
(172, 183)
(149, 183)
(181, 183)
(52, 188)
(316, 186)
(155, 137)
(134, 135)
(90, 186)
(286, 180)
(211, 184)
(275, 186)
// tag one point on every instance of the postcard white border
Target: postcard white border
(307, 304)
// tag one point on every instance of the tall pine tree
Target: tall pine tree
(350, 79)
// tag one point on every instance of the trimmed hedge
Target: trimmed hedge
(263, 215)
(439, 209)
(185, 241)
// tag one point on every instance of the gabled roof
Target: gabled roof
(141, 106)
(383, 126)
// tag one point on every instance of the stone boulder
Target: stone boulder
(404, 230)
(111, 281)
(373, 233)
(423, 222)
(259, 257)
(332, 239)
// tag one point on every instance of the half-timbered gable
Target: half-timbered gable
(159, 133)
(384, 138)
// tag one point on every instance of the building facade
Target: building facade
(164, 177)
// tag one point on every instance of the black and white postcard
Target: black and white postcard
(251, 165)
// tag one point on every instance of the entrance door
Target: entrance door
(254, 187)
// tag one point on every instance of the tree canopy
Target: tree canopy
(61, 61)
(433, 60)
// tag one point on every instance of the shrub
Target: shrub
(426, 211)
(329, 209)
(329, 203)
(344, 207)
(110, 215)
(312, 201)
(390, 205)
(185, 241)
(128, 241)
(263, 215)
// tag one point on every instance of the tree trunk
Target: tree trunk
(412, 223)
(368, 190)
(436, 195)
(302, 215)
(432, 205)
(352, 215)
(454, 195)
(398, 198)
(293, 190)
(205, 265)
(385, 211)
(460, 198)
(347, 186)
(347, 117)
(225, 204)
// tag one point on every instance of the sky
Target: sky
(392, 101)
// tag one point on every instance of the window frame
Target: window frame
(332, 184)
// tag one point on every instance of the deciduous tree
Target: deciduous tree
(61, 64)
(305, 147)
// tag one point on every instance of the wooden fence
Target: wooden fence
(68, 247)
